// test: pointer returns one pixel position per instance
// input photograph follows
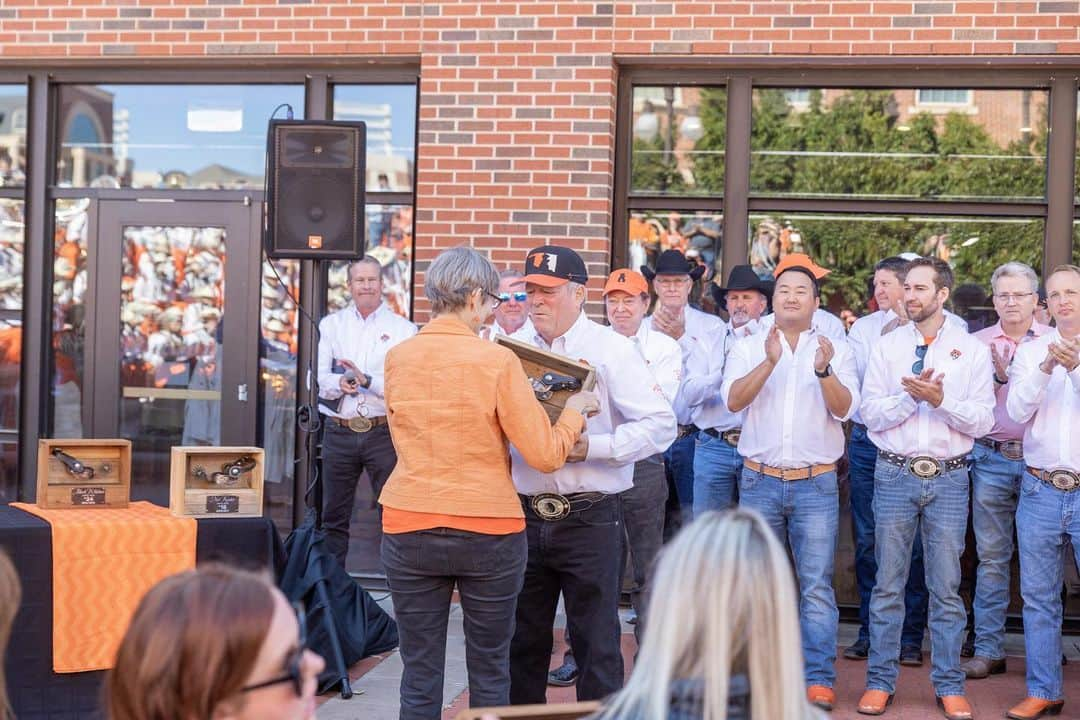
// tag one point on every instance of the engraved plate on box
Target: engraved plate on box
(216, 504)
(88, 496)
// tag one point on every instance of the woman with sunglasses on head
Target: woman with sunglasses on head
(214, 644)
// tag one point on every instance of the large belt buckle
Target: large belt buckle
(731, 437)
(925, 467)
(1065, 480)
(1012, 449)
(550, 506)
(360, 424)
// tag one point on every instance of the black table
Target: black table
(38, 693)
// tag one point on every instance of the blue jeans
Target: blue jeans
(862, 455)
(805, 514)
(1045, 518)
(901, 501)
(679, 461)
(995, 484)
(717, 466)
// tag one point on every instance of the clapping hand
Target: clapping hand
(1001, 364)
(824, 354)
(1065, 353)
(773, 349)
(926, 386)
(671, 324)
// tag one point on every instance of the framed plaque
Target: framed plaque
(548, 373)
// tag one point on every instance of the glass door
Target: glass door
(176, 342)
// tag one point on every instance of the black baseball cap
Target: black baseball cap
(551, 266)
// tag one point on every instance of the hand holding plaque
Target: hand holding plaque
(585, 402)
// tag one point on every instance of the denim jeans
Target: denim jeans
(717, 467)
(1045, 518)
(995, 484)
(902, 502)
(806, 515)
(643, 518)
(862, 455)
(679, 461)
(422, 569)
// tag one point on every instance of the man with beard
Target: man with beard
(928, 393)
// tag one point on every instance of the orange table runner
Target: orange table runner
(104, 561)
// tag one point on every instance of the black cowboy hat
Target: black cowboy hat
(742, 277)
(673, 262)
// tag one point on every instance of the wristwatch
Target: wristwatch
(826, 373)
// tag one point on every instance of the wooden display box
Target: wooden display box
(536, 362)
(104, 480)
(200, 485)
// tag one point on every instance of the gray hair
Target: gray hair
(1015, 269)
(366, 260)
(509, 274)
(454, 274)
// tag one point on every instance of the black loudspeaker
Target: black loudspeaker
(316, 189)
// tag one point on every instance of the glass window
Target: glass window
(390, 114)
(389, 231)
(849, 245)
(9, 477)
(69, 317)
(167, 136)
(1076, 243)
(696, 234)
(942, 96)
(678, 140)
(11, 288)
(12, 135)
(884, 144)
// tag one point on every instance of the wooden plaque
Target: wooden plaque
(536, 362)
(105, 481)
(200, 487)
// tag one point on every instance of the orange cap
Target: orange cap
(800, 260)
(627, 281)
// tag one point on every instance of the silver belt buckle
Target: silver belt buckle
(550, 506)
(1065, 480)
(731, 437)
(924, 467)
(1012, 449)
(360, 424)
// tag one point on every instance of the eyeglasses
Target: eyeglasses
(497, 298)
(1006, 298)
(515, 296)
(292, 662)
(920, 354)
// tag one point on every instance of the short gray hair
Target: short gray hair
(454, 274)
(510, 274)
(1015, 269)
(366, 260)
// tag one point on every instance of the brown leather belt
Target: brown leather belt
(360, 424)
(788, 474)
(731, 437)
(1061, 479)
(1009, 449)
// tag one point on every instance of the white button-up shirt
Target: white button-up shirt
(346, 335)
(495, 330)
(703, 375)
(788, 424)
(635, 420)
(1050, 404)
(823, 321)
(699, 327)
(899, 424)
(663, 356)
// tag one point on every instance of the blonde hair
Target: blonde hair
(729, 607)
(10, 597)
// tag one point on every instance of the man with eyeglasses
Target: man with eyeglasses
(512, 312)
(798, 387)
(1044, 396)
(997, 466)
(353, 343)
(928, 393)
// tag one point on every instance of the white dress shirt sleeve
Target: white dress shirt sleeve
(1074, 378)
(329, 382)
(860, 345)
(646, 425)
(881, 408)
(703, 374)
(739, 364)
(843, 364)
(1027, 383)
(972, 413)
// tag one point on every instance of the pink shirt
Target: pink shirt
(1005, 428)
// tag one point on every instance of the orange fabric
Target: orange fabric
(104, 561)
(454, 403)
(395, 522)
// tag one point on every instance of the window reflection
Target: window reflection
(69, 316)
(697, 235)
(940, 143)
(11, 286)
(12, 135)
(389, 231)
(678, 140)
(9, 479)
(390, 114)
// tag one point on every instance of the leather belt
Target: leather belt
(1061, 479)
(360, 424)
(924, 466)
(685, 430)
(1009, 449)
(788, 474)
(731, 437)
(553, 506)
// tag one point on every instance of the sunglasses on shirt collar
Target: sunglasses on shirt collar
(920, 355)
(293, 662)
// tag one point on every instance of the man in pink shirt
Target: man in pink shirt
(997, 466)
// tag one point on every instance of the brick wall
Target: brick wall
(517, 98)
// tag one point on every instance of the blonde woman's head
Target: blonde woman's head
(724, 604)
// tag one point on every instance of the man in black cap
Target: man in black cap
(717, 463)
(573, 517)
(672, 279)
